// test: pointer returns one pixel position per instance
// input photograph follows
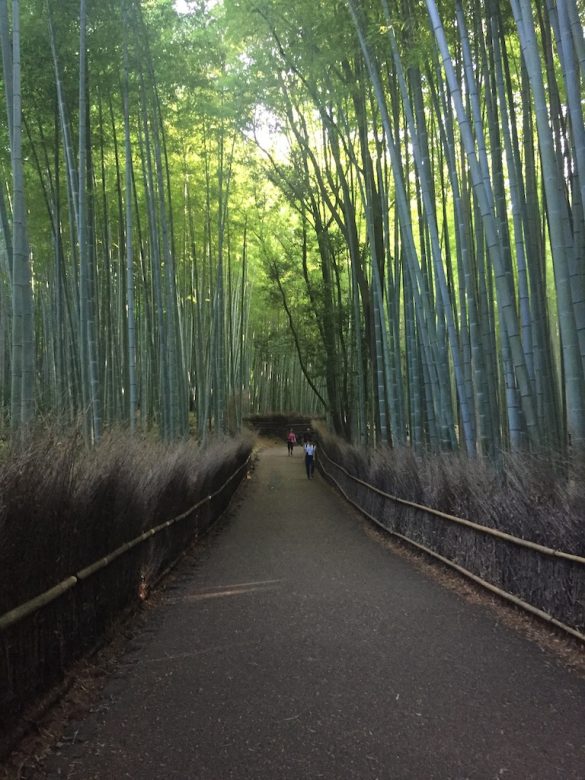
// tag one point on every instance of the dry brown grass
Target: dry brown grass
(534, 497)
(63, 508)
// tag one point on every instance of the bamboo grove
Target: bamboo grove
(404, 251)
(125, 291)
(437, 164)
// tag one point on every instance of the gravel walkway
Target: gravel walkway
(295, 645)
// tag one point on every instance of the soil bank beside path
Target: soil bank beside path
(295, 645)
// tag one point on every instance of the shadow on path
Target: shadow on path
(296, 646)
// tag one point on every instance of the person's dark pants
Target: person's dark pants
(309, 465)
(290, 447)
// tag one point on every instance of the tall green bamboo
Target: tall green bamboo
(559, 229)
(131, 314)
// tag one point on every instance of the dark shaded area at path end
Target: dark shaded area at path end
(297, 646)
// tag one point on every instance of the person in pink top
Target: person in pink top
(291, 441)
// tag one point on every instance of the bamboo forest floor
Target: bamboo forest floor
(295, 644)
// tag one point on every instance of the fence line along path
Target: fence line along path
(298, 646)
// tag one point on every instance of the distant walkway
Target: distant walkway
(298, 647)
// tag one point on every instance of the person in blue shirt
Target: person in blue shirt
(310, 452)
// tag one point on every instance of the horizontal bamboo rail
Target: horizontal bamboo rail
(470, 524)
(17, 614)
(447, 561)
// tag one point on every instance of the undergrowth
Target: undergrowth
(538, 497)
(63, 507)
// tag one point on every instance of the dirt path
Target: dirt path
(297, 646)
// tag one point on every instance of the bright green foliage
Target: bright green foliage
(139, 188)
(420, 135)
(403, 251)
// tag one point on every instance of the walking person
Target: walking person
(291, 441)
(310, 451)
